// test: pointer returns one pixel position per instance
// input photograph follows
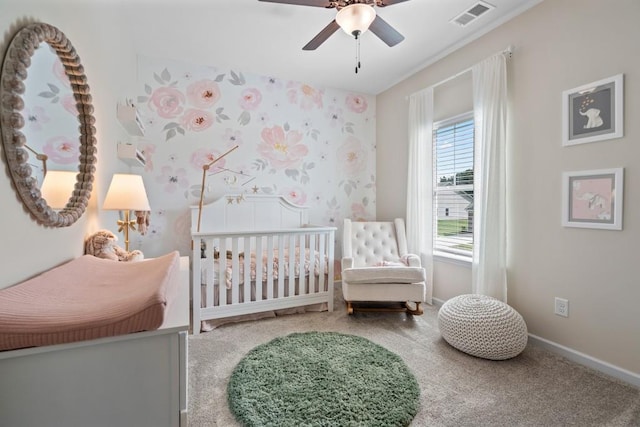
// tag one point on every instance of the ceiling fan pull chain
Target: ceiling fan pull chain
(358, 52)
(356, 34)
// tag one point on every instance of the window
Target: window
(453, 186)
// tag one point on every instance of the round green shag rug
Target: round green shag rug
(322, 379)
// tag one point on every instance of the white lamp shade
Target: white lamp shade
(355, 17)
(57, 187)
(126, 192)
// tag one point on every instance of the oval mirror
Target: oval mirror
(34, 138)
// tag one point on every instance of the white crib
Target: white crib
(266, 239)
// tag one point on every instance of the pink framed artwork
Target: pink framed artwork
(593, 199)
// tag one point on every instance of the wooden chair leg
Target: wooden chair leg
(417, 311)
(349, 308)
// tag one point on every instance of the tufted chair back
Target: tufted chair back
(374, 242)
(376, 267)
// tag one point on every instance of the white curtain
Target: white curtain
(420, 179)
(489, 227)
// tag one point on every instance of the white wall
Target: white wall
(559, 45)
(29, 248)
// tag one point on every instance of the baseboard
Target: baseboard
(586, 360)
(578, 357)
(437, 302)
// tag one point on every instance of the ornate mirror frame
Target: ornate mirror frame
(14, 73)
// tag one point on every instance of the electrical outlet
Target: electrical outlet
(562, 307)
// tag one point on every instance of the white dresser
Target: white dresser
(137, 379)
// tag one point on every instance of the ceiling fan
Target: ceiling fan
(354, 17)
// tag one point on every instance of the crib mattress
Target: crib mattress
(87, 298)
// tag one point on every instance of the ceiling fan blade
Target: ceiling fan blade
(315, 3)
(385, 32)
(383, 3)
(322, 36)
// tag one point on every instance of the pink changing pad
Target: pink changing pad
(87, 298)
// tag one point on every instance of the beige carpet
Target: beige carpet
(537, 388)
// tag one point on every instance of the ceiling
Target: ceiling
(267, 38)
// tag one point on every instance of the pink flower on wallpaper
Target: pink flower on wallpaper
(250, 99)
(203, 156)
(359, 212)
(69, 103)
(203, 93)
(356, 103)
(197, 120)
(351, 156)
(282, 150)
(167, 102)
(296, 196)
(172, 179)
(304, 95)
(147, 150)
(36, 117)
(62, 150)
(232, 137)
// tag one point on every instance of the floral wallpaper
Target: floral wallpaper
(50, 116)
(315, 146)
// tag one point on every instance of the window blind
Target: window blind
(453, 142)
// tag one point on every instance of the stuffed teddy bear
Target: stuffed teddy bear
(102, 244)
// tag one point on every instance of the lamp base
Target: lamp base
(124, 226)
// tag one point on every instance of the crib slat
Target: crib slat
(331, 275)
(259, 272)
(291, 261)
(312, 263)
(222, 272)
(302, 253)
(246, 249)
(321, 269)
(235, 271)
(280, 267)
(209, 269)
(270, 282)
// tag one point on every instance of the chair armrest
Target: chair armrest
(347, 262)
(413, 260)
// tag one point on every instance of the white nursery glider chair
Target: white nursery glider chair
(377, 268)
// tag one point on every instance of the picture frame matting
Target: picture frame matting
(593, 112)
(593, 198)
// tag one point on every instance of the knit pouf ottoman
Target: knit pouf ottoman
(482, 326)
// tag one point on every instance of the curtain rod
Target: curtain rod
(508, 51)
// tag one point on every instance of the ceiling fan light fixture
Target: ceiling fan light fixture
(355, 18)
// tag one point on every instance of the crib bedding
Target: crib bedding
(87, 298)
(253, 260)
(228, 263)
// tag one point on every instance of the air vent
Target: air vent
(470, 15)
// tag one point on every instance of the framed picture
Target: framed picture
(593, 112)
(592, 199)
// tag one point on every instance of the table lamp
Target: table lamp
(126, 193)
(57, 188)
